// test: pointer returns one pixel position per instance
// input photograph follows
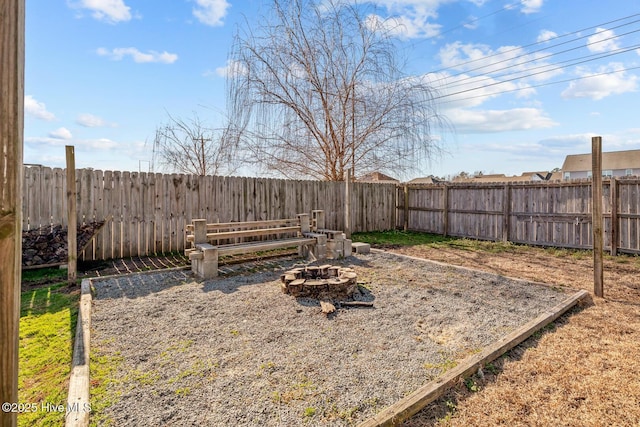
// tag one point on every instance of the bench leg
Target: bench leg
(303, 251)
(207, 267)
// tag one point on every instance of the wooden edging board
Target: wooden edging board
(78, 405)
(412, 404)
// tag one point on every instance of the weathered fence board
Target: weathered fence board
(148, 211)
(546, 214)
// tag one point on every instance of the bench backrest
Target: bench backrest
(240, 232)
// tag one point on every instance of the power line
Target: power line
(542, 49)
(568, 63)
(532, 86)
(546, 68)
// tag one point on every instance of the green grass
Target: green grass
(47, 330)
(402, 238)
(44, 274)
(414, 238)
(102, 377)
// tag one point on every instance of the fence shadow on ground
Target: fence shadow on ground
(138, 285)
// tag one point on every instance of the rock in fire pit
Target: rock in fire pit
(325, 282)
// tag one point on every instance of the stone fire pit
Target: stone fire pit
(325, 282)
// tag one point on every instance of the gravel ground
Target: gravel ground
(236, 351)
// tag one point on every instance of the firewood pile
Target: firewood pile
(48, 245)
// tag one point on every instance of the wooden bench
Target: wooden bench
(210, 241)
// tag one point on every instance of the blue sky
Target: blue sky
(523, 83)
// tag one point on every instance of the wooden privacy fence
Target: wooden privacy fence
(150, 210)
(547, 214)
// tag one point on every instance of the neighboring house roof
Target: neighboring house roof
(376, 177)
(613, 160)
(525, 177)
(425, 180)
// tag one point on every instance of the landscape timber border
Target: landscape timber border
(79, 392)
(405, 408)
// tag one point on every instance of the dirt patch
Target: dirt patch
(237, 351)
(582, 372)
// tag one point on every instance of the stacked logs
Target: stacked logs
(47, 245)
(323, 282)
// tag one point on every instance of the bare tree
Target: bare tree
(318, 88)
(191, 147)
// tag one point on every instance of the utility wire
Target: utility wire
(531, 86)
(540, 50)
(568, 62)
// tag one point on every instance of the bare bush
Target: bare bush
(191, 147)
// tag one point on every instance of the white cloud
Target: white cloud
(484, 60)
(491, 121)
(531, 6)
(606, 81)
(61, 133)
(408, 18)
(81, 144)
(211, 12)
(37, 109)
(488, 71)
(546, 35)
(471, 23)
(91, 121)
(602, 41)
(119, 53)
(405, 27)
(111, 11)
(232, 68)
(569, 143)
(464, 91)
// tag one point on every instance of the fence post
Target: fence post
(72, 216)
(12, 13)
(614, 215)
(347, 205)
(506, 213)
(445, 209)
(406, 207)
(596, 191)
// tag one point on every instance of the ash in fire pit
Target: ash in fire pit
(323, 282)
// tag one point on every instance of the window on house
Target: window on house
(567, 175)
(628, 172)
(589, 174)
(607, 173)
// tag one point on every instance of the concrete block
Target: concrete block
(333, 245)
(199, 231)
(347, 247)
(305, 227)
(361, 248)
(206, 267)
(335, 250)
(317, 219)
(303, 251)
(321, 239)
(320, 252)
